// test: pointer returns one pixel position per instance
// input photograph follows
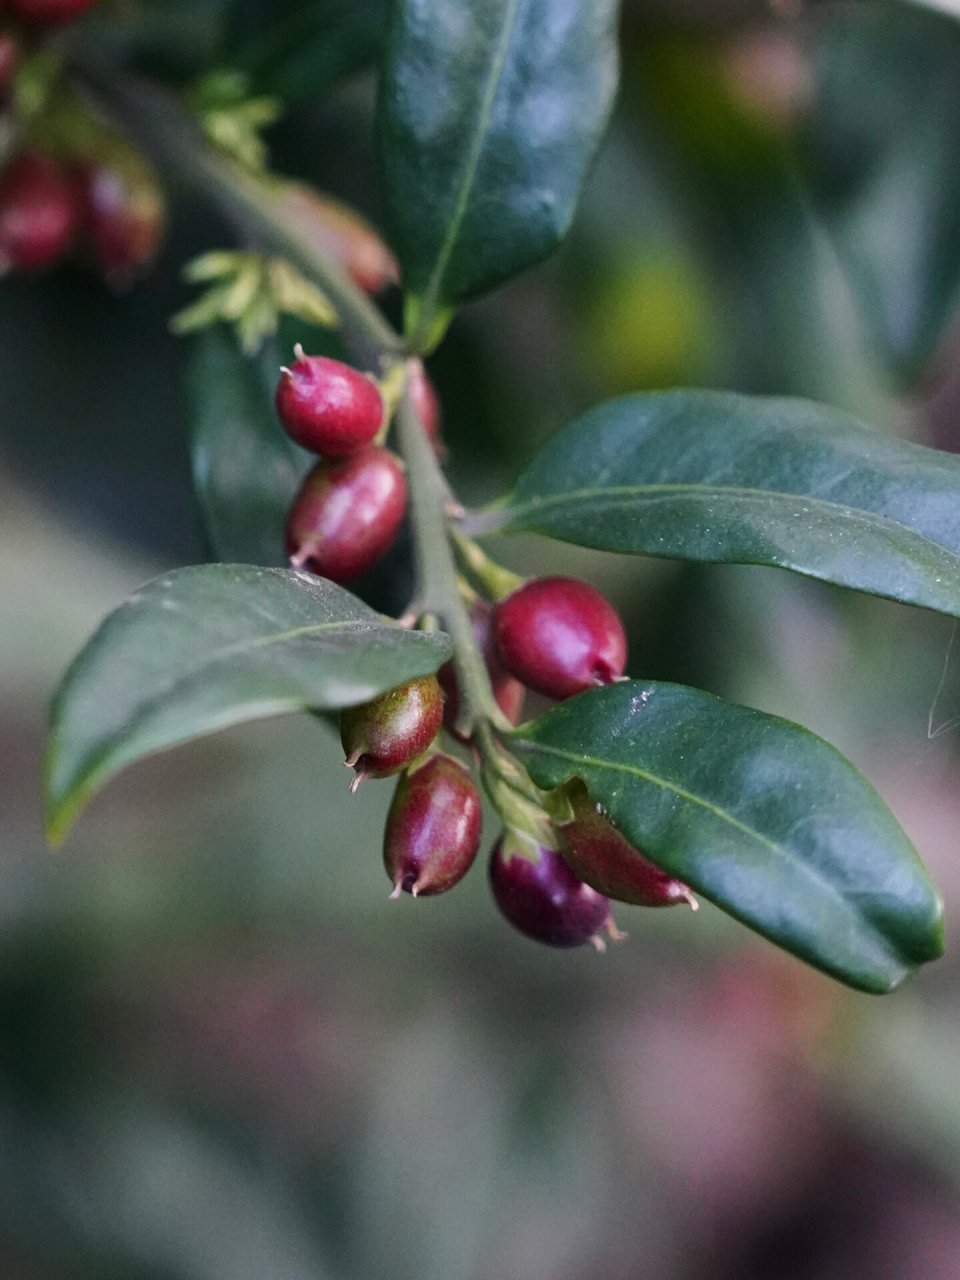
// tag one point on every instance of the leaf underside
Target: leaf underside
(759, 815)
(207, 647)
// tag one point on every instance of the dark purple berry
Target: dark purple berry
(327, 407)
(509, 693)
(347, 514)
(541, 896)
(383, 736)
(560, 636)
(605, 860)
(39, 212)
(433, 827)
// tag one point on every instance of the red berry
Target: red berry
(560, 636)
(347, 514)
(123, 219)
(433, 827)
(543, 898)
(327, 407)
(383, 736)
(508, 692)
(39, 212)
(605, 860)
(44, 11)
(426, 403)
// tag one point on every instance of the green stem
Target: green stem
(256, 201)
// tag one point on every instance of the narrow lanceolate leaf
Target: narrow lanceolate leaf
(760, 816)
(246, 470)
(706, 475)
(205, 648)
(490, 114)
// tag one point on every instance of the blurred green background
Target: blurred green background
(223, 1051)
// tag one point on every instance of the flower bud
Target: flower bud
(383, 736)
(433, 827)
(540, 895)
(339, 232)
(604, 859)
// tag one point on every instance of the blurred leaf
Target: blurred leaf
(299, 48)
(207, 647)
(708, 475)
(760, 816)
(490, 114)
(882, 158)
(245, 468)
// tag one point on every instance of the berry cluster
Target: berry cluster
(69, 189)
(555, 636)
(349, 508)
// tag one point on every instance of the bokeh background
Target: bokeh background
(223, 1052)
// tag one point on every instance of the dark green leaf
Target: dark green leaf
(490, 114)
(204, 648)
(299, 48)
(883, 162)
(706, 475)
(760, 816)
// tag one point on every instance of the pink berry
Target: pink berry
(433, 827)
(543, 898)
(47, 11)
(560, 636)
(508, 692)
(39, 212)
(604, 859)
(384, 735)
(347, 514)
(327, 407)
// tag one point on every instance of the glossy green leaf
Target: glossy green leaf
(246, 469)
(706, 475)
(204, 648)
(490, 114)
(882, 161)
(299, 48)
(757, 814)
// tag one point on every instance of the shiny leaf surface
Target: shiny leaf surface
(757, 814)
(204, 648)
(490, 114)
(702, 475)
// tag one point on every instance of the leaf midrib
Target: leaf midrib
(474, 155)
(805, 868)
(652, 492)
